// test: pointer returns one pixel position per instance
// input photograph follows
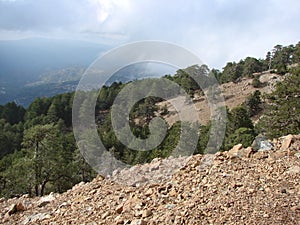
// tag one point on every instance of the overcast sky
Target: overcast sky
(216, 30)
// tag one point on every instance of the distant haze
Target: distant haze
(38, 67)
(24, 60)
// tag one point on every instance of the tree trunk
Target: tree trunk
(36, 185)
(36, 189)
(83, 170)
(43, 188)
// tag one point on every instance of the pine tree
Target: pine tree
(283, 115)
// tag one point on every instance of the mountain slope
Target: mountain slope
(234, 95)
(235, 187)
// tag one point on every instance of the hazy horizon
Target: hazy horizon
(217, 31)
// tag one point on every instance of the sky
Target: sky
(217, 31)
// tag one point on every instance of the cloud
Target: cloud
(216, 30)
(42, 15)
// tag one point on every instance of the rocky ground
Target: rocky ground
(240, 186)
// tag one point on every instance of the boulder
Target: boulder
(261, 143)
(286, 143)
(45, 200)
(16, 208)
(246, 152)
(232, 153)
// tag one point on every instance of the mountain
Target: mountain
(240, 186)
(40, 67)
(26, 61)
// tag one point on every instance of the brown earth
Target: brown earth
(234, 94)
(235, 187)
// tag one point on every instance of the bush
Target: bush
(256, 82)
(242, 135)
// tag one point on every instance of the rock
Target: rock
(46, 200)
(232, 153)
(119, 220)
(138, 222)
(119, 209)
(246, 152)
(12, 209)
(277, 154)
(146, 213)
(261, 155)
(236, 185)
(286, 142)
(296, 208)
(25, 196)
(104, 215)
(16, 208)
(265, 145)
(293, 170)
(208, 189)
(20, 206)
(261, 143)
(266, 215)
(149, 192)
(33, 219)
(173, 193)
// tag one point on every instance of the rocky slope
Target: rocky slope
(240, 186)
(234, 94)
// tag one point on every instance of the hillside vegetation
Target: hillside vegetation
(239, 186)
(38, 153)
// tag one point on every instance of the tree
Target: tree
(267, 63)
(204, 133)
(238, 117)
(215, 73)
(14, 179)
(296, 54)
(184, 77)
(12, 113)
(282, 57)
(283, 114)
(37, 108)
(45, 152)
(253, 102)
(52, 114)
(82, 168)
(250, 66)
(231, 72)
(10, 137)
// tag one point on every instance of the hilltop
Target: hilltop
(241, 186)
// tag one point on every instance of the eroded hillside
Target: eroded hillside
(234, 94)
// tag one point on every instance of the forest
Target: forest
(38, 152)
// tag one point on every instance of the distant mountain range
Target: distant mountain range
(32, 60)
(37, 67)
